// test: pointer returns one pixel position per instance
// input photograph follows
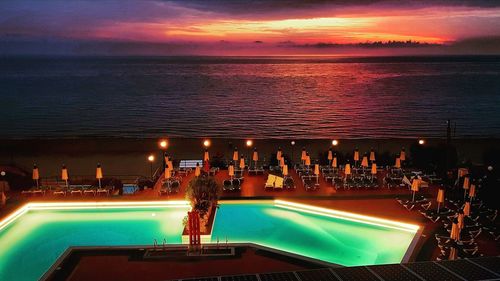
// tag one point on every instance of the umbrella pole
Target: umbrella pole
(465, 194)
(413, 199)
(438, 207)
(66, 183)
(99, 183)
(36, 183)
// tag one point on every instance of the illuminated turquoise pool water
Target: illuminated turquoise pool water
(32, 243)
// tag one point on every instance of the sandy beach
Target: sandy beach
(122, 156)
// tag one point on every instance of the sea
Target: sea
(249, 97)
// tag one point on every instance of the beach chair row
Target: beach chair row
(170, 186)
(68, 190)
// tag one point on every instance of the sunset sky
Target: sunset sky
(223, 27)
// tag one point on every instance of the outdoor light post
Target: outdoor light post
(249, 144)
(292, 143)
(151, 159)
(163, 144)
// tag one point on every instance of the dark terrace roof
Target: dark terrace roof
(487, 268)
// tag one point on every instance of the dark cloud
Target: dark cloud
(265, 7)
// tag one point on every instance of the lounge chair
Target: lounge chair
(89, 190)
(60, 190)
(75, 189)
(175, 186)
(278, 184)
(289, 183)
(236, 183)
(163, 190)
(104, 190)
(270, 181)
(227, 185)
(213, 171)
(309, 183)
(34, 191)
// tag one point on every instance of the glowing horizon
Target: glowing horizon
(199, 27)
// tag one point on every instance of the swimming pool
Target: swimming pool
(33, 238)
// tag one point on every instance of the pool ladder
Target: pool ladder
(163, 246)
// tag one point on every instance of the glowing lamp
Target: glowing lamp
(249, 143)
(163, 144)
(421, 141)
(151, 158)
(206, 143)
(335, 142)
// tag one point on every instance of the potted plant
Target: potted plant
(203, 193)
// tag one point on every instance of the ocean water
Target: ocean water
(239, 97)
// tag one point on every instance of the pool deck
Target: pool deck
(378, 203)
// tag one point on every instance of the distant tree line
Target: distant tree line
(375, 44)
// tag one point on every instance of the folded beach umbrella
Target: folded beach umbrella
(466, 185)
(347, 169)
(170, 165)
(282, 161)
(255, 156)
(279, 154)
(455, 231)
(242, 162)
(330, 155)
(206, 156)
(168, 173)
(316, 169)
(36, 174)
(308, 160)
(197, 170)
(440, 197)
(453, 252)
(472, 191)
(334, 162)
(231, 171)
(372, 155)
(364, 162)
(285, 170)
(402, 154)
(467, 209)
(98, 174)
(397, 165)
(235, 154)
(460, 219)
(303, 156)
(374, 170)
(64, 174)
(316, 172)
(415, 185)
(356, 155)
